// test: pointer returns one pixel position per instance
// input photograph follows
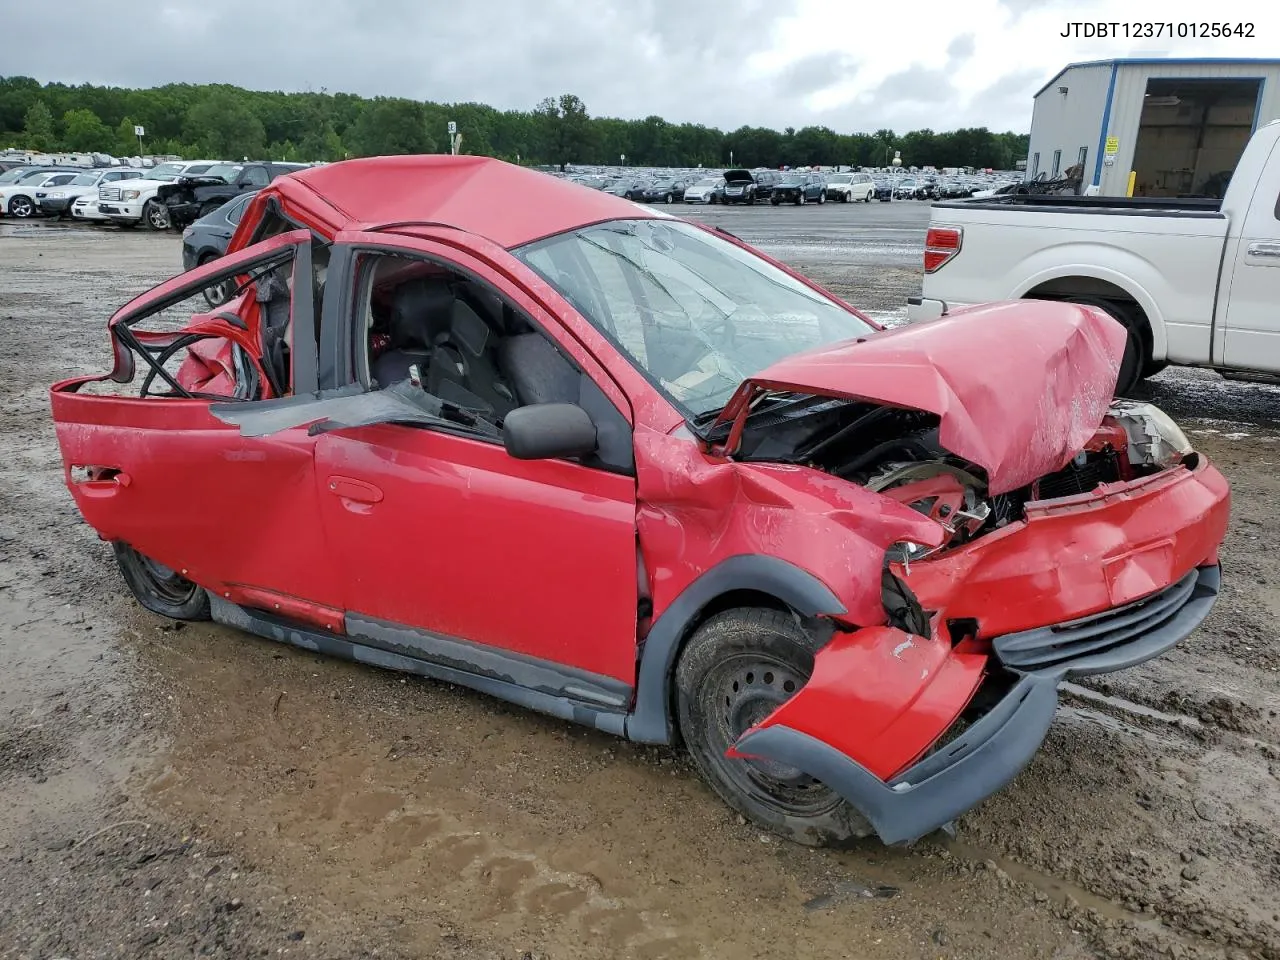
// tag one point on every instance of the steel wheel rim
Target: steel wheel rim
(747, 688)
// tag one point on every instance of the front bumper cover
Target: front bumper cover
(995, 749)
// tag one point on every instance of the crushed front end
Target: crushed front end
(1102, 564)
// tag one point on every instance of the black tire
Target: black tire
(800, 199)
(208, 208)
(775, 201)
(737, 669)
(217, 295)
(668, 198)
(22, 207)
(160, 589)
(1136, 350)
(155, 215)
(822, 198)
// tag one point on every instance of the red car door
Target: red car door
(237, 515)
(449, 536)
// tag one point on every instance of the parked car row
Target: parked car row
(172, 194)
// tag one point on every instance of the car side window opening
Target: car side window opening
(461, 343)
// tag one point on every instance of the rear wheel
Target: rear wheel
(160, 589)
(1136, 349)
(738, 668)
(217, 294)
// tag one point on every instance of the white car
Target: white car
(135, 202)
(86, 208)
(704, 190)
(997, 191)
(847, 187)
(56, 201)
(18, 199)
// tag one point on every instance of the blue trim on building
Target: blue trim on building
(1106, 121)
(1122, 62)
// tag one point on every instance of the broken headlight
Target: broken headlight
(1154, 439)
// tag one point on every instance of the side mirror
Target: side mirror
(548, 431)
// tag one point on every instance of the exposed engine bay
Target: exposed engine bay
(896, 452)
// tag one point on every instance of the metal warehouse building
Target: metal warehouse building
(1178, 126)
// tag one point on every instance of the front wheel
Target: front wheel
(21, 207)
(800, 200)
(155, 215)
(160, 589)
(822, 198)
(738, 668)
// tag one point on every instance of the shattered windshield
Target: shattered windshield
(696, 313)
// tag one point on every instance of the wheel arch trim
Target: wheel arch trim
(650, 721)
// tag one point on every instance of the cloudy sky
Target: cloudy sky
(850, 65)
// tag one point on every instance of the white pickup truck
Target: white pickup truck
(1196, 281)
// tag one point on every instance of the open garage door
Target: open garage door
(1192, 134)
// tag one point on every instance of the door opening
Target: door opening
(1192, 134)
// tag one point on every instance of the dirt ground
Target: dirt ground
(188, 792)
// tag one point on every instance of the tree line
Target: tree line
(220, 121)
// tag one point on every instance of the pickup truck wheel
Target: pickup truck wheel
(739, 667)
(1136, 349)
(155, 215)
(160, 589)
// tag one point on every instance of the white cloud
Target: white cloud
(779, 63)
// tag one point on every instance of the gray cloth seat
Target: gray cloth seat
(537, 370)
(420, 312)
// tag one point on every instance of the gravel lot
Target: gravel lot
(189, 792)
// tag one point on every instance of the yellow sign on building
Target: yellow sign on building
(1113, 145)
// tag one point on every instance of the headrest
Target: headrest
(420, 311)
(467, 329)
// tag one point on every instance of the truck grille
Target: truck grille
(109, 193)
(1104, 636)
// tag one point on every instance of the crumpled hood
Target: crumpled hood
(1019, 387)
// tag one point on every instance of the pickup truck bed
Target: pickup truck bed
(1194, 279)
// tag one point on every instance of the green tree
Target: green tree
(37, 127)
(223, 127)
(566, 132)
(83, 131)
(390, 126)
(125, 142)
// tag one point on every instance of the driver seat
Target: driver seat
(421, 310)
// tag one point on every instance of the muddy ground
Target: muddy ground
(188, 792)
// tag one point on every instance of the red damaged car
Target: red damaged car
(473, 422)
